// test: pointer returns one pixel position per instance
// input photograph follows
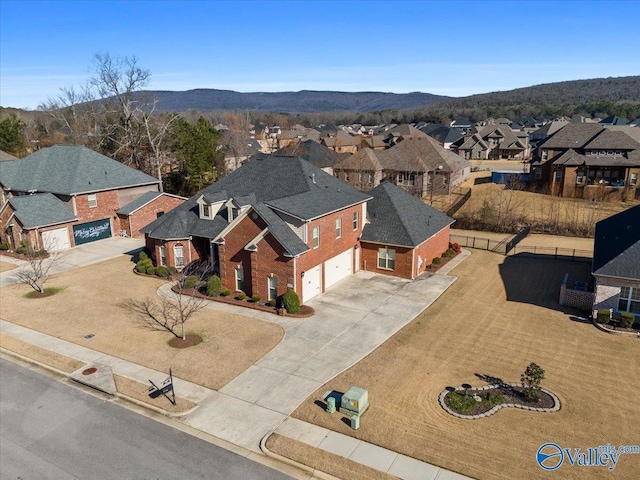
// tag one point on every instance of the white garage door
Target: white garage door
(55, 240)
(310, 284)
(337, 268)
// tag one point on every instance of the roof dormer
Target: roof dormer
(208, 207)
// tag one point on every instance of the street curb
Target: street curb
(119, 395)
(312, 471)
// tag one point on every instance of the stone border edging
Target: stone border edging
(602, 328)
(488, 413)
(306, 468)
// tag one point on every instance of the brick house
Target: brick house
(91, 186)
(403, 234)
(276, 223)
(144, 210)
(616, 262)
(589, 161)
(417, 164)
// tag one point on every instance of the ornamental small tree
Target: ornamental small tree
(531, 379)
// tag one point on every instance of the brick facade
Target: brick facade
(407, 260)
(142, 217)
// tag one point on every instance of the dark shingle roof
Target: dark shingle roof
(281, 231)
(397, 218)
(617, 245)
(40, 210)
(288, 184)
(313, 152)
(139, 202)
(573, 135)
(67, 169)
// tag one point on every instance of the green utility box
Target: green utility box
(355, 401)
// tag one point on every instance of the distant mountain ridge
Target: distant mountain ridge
(304, 101)
(614, 89)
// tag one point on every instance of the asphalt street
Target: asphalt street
(49, 430)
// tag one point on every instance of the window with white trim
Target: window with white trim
(634, 179)
(338, 227)
(273, 288)
(629, 300)
(178, 255)
(239, 279)
(206, 211)
(316, 237)
(386, 258)
(355, 220)
(163, 255)
(93, 200)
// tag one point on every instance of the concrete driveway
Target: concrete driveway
(80, 256)
(352, 319)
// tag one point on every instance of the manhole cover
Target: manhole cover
(89, 371)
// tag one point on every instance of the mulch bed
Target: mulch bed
(190, 340)
(434, 268)
(511, 395)
(47, 293)
(20, 256)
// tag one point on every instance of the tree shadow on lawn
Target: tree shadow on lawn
(537, 281)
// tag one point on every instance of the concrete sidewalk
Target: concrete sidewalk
(352, 319)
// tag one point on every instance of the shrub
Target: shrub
(437, 261)
(241, 296)
(626, 319)
(603, 316)
(225, 292)
(214, 286)
(143, 265)
(151, 270)
(455, 247)
(291, 302)
(449, 253)
(190, 282)
(4, 246)
(173, 270)
(255, 298)
(22, 250)
(143, 255)
(531, 379)
(272, 302)
(162, 272)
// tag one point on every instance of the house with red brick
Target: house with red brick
(63, 196)
(276, 223)
(403, 235)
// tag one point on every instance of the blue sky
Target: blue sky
(442, 47)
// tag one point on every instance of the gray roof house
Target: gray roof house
(90, 186)
(616, 262)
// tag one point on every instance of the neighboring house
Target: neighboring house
(403, 234)
(276, 223)
(616, 262)
(144, 210)
(446, 136)
(496, 141)
(89, 185)
(412, 164)
(341, 141)
(314, 153)
(614, 120)
(375, 142)
(586, 160)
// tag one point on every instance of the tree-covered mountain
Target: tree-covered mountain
(305, 101)
(617, 90)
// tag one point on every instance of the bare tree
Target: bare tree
(169, 312)
(39, 267)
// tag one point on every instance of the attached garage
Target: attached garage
(56, 240)
(311, 283)
(92, 231)
(337, 268)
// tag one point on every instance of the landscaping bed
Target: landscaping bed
(505, 395)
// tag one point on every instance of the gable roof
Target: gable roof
(397, 218)
(68, 170)
(40, 210)
(420, 154)
(363, 160)
(572, 135)
(612, 140)
(290, 185)
(313, 152)
(616, 251)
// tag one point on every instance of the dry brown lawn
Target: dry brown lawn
(538, 208)
(92, 302)
(5, 266)
(41, 355)
(500, 315)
